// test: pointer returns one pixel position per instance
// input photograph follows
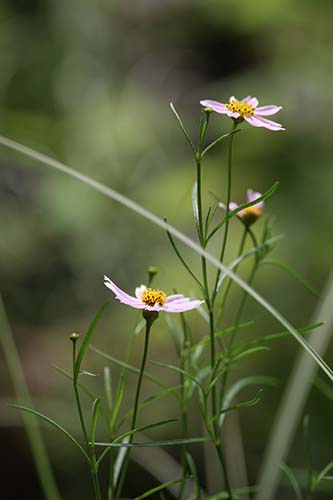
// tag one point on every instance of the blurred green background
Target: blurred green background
(89, 83)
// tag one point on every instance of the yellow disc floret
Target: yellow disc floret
(241, 107)
(152, 297)
(251, 214)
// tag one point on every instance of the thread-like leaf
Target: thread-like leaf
(163, 486)
(293, 481)
(85, 343)
(147, 444)
(54, 424)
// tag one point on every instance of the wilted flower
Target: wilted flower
(153, 300)
(249, 214)
(246, 110)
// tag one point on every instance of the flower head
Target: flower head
(153, 300)
(249, 214)
(248, 110)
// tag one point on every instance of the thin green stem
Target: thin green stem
(77, 398)
(149, 323)
(183, 403)
(90, 447)
(209, 303)
(229, 284)
(226, 227)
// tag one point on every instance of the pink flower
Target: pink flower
(246, 110)
(249, 214)
(153, 300)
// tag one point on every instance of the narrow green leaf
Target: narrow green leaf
(265, 196)
(276, 336)
(206, 340)
(219, 139)
(308, 451)
(174, 332)
(146, 402)
(248, 352)
(194, 473)
(196, 210)
(144, 428)
(128, 367)
(95, 410)
(85, 343)
(293, 481)
(244, 382)
(148, 444)
(323, 474)
(124, 438)
(187, 135)
(108, 387)
(179, 370)
(243, 404)
(257, 249)
(295, 274)
(182, 260)
(54, 424)
(162, 486)
(80, 385)
(90, 374)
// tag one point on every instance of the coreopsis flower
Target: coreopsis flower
(246, 109)
(149, 299)
(249, 214)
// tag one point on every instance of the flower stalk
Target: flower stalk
(150, 317)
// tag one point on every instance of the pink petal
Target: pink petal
(232, 114)
(123, 296)
(252, 196)
(258, 121)
(253, 101)
(216, 106)
(268, 110)
(139, 290)
(172, 298)
(233, 206)
(192, 304)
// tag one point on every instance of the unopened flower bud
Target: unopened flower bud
(74, 337)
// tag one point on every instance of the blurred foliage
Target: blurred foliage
(89, 83)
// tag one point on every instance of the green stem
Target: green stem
(149, 323)
(78, 401)
(224, 467)
(226, 229)
(39, 453)
(183, 402)
(209, 303)
(229, 284)
(90, 447)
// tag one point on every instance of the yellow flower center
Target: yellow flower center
(151, 297)
(251, 214)
(241, 107)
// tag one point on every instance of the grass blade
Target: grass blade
(293, 401)
(123, 200)
(39, 453)
(54, 424)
